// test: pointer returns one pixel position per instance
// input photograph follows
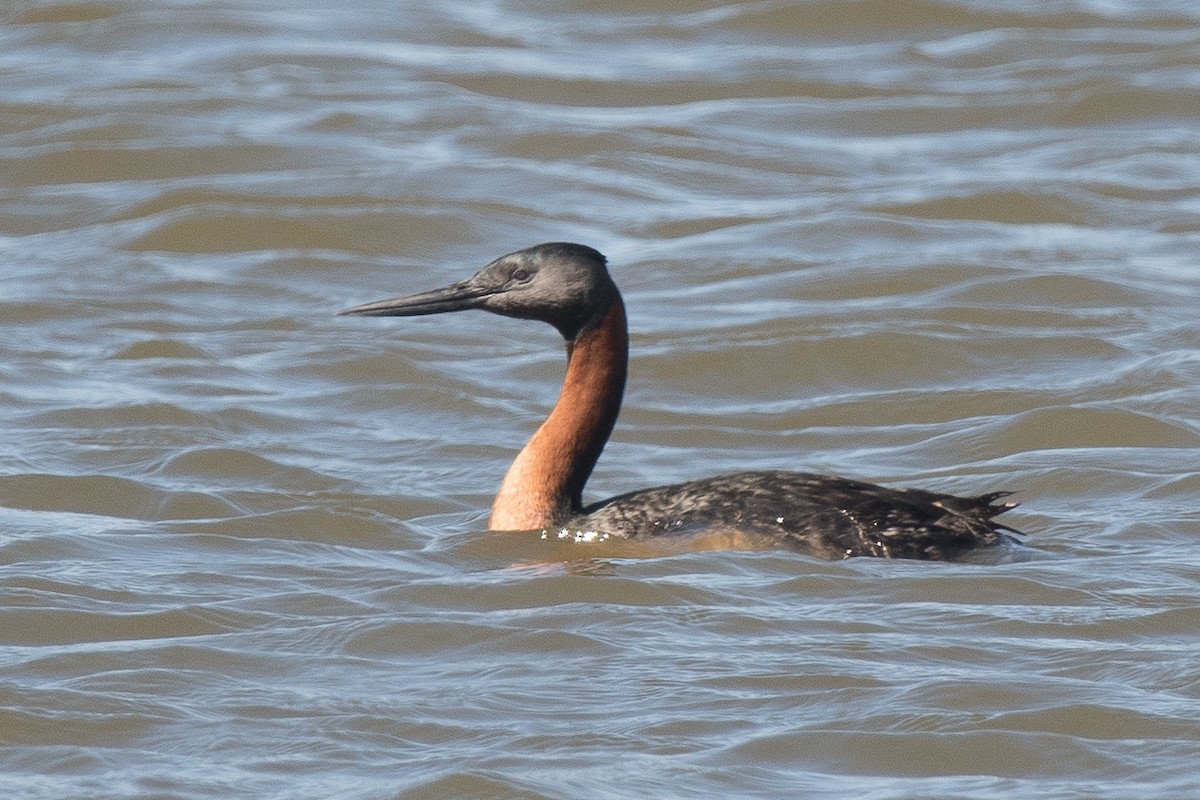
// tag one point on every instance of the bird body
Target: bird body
(822, 515)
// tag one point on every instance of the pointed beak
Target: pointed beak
(455, 297)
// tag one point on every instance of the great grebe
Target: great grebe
(568, 286)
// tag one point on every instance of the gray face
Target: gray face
(564, 284)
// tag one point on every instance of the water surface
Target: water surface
(946, 244)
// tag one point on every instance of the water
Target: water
(946, 244)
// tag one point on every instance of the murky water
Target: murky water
(947, 244)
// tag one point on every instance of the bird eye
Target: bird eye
(520, 275)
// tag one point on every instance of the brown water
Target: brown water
(949, 243)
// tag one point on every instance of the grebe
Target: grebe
(568, 286)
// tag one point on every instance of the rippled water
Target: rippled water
(948, 244)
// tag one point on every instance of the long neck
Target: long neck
(544, 485)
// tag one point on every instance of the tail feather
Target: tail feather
(982, 508)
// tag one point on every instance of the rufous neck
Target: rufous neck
(544, 485)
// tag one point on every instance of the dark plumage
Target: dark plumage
(822, 515)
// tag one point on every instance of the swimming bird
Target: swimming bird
(569, 286)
